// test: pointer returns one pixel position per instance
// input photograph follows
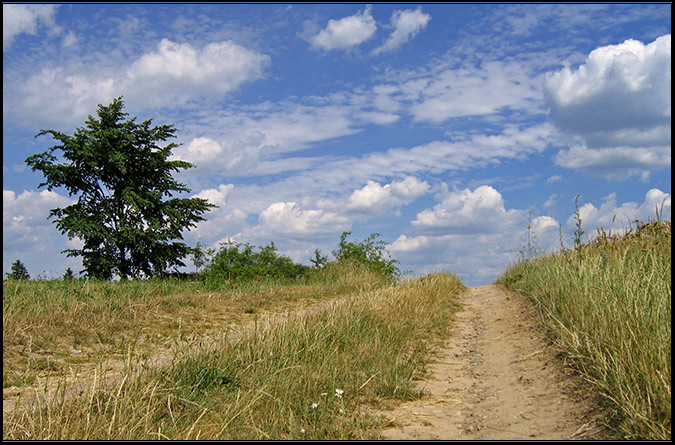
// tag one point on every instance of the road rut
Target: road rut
(498, 378)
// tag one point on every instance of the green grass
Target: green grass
(281, 382)
(608, 305)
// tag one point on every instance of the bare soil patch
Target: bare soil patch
(498, 378)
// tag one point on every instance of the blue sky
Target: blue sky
(443, 127)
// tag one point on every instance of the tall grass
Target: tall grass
(44, 323)
(608, 305)
(306, 376)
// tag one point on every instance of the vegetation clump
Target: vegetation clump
(607, 304)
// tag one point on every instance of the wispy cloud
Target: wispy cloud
(406, 23)
(19, 19)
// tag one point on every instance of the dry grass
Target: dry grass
(608, 305)
(262, 386)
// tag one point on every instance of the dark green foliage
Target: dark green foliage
(240, 262)
(369, 252)
(125, 212)
(319, 260)
(69, 275)
(19, 271)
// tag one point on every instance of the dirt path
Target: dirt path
(497, 378)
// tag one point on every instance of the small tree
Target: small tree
(319, 260)
(369, 252)
(68, 275)
(19, 271)
(201, 256)
(125, 212)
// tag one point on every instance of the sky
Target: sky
(446, 128)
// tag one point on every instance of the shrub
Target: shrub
(240, 262)
(369, 252)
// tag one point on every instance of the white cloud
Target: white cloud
(53, 95)
(347, 32)
(609, 216)
(550, 202)
(181, 72)
(70, 39)
(216, 196)
(28, 235)
(18, 19)
(200, 151)
(618, 103)
(615, 163)
(474, 91)
(23, 213)
(407, 23)
(171, 76)
(289, 219)
(376, 199)
(467, 212)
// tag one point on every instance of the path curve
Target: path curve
(497, 378)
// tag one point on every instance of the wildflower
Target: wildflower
(324, 394)
(315, 405)
(302, 430)
(338, 393)
(341, 411)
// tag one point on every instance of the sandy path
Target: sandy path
(497, 378)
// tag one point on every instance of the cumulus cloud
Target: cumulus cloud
(172, 75)
(28, 211)
(179, 72)
(19, 19)
(27, 234)
(216, 196)
(406, 23)
(289, 219)
(210, 156)
(466, 211)
(618, 218)
(618, 103)
(374, 198)
(347, 32)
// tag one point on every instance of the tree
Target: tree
(68, 275)
(369, 252)
(19, 271)
(319, 260)
(125, 214)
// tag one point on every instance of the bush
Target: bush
(240, 262)
(369, 252)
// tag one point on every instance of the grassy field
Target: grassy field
(313, 375)
(607, 304)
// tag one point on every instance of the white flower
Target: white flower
(315, 405)
(338, 393)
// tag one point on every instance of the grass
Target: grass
(47, 321)
(306, 376)
(607, 303)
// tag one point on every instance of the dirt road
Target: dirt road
(497, 378)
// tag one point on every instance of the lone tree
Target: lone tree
(19, 271)
(125, 212)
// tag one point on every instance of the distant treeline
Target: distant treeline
(239, 262)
